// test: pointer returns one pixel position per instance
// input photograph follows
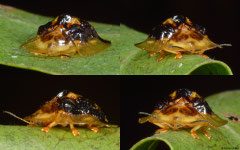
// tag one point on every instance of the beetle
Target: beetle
(64, 36)
(68, 108)
(183, 109)
(178, 35)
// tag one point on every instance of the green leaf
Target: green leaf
(59, 138)
(134, 61)
(225, 137)
(17, 26)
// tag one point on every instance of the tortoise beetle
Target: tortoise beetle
(178, 35)
(65, 36)
(68, 108)
(183, 109)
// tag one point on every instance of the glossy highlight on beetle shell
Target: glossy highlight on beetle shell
(77, 105)
(183, 109)
(64, 36)
(68, 108)
(178, 35)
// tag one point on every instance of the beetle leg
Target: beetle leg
(46, 129)
(152, 53)
(204, 130)
(74, 131)
(163, 54)
(201, 53)
(178, 54)
(164, 128)
(94, 129)
(193, 131)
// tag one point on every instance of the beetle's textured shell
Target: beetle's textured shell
(73, 28)
(192, 98)
(66, 35)
(79, 106)
(172, 26)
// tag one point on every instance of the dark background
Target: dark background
(141, 94)
(91, 10)
(23, 95)
(219, 17)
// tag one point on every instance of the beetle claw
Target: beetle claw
(179, 55)
(161, 130)
(74, 131)
(194, 135)
(46, 129)
(94, 129)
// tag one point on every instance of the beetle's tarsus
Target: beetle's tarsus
(194, 135)
(193, 131)
(162, 130)
(152, 53)
(94, 129)
(74, 131)
(163, 54)
(46, 129)
(179, 55)
(204, 130)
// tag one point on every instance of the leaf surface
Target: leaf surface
(59, 138)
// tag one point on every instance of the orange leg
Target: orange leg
(163, 54)
(152, 53)
(94, 129)
(74, 131)
(204, 130)
(201, 53)
(179, 55)
(165, 129)
(46, 129)
(193, 131)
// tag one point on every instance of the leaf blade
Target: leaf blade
(23, 137)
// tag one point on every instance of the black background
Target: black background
(23, 95)
(141, 94)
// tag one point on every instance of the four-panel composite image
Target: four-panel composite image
(119, 75)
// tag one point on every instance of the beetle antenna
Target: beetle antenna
(7, 112)
(225, 44)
